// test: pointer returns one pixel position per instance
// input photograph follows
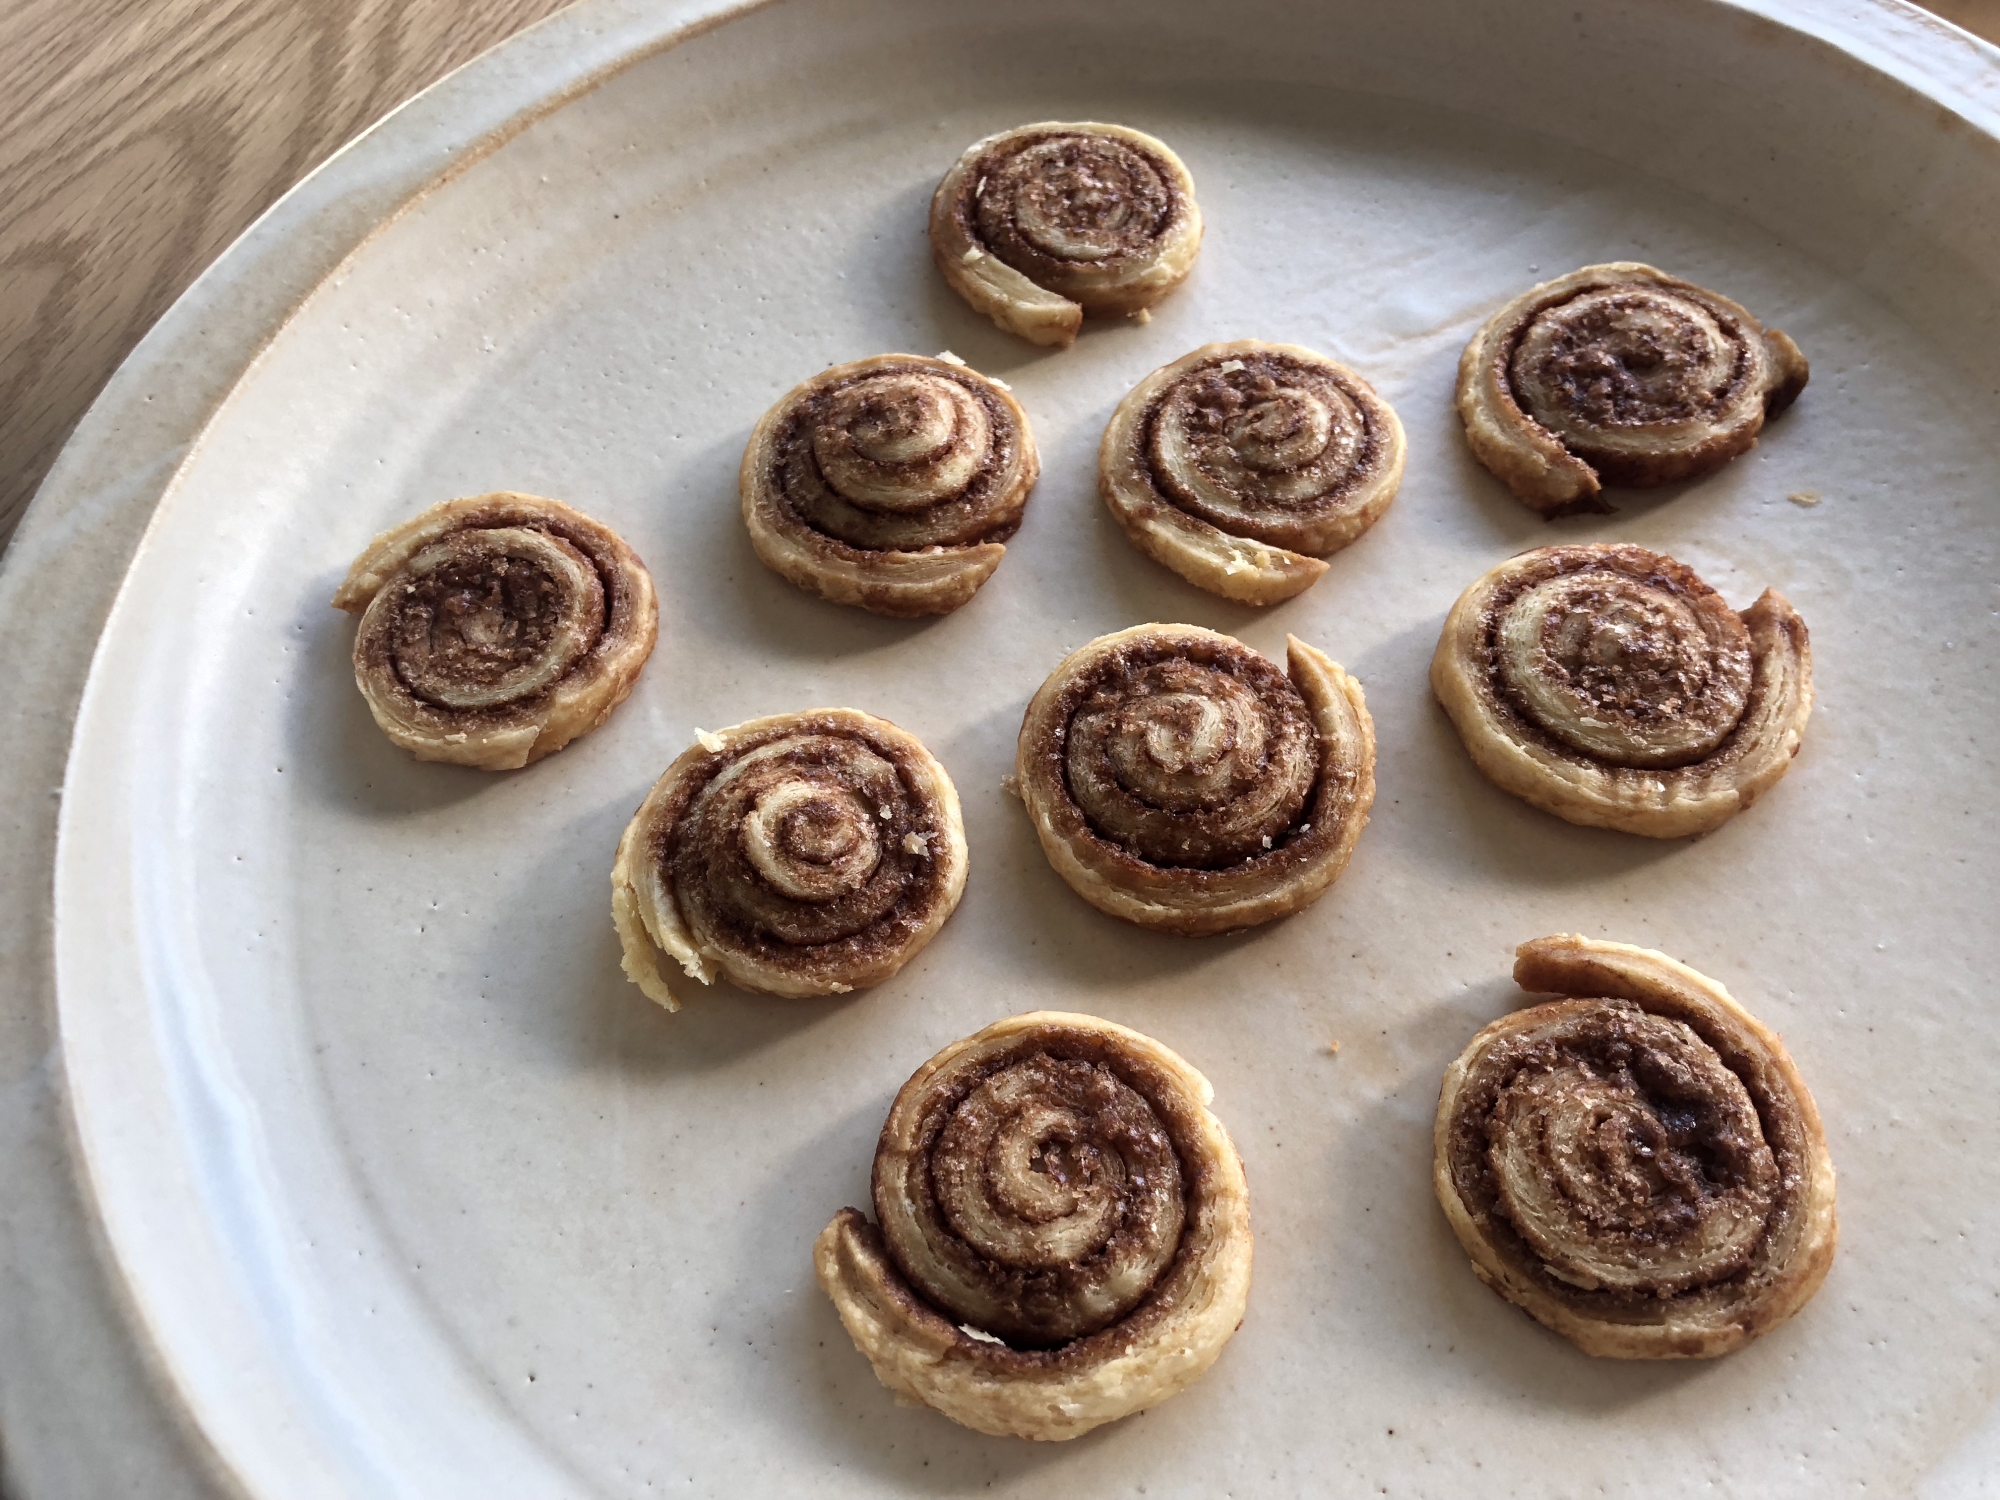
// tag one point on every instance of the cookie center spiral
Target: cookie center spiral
(1186, 764)
(901, 441)
(1075, 198)
(1628, 671)
(1625, 358)
(1063, 1185)
(811, 842)
(493, 617)
(1631, 1159)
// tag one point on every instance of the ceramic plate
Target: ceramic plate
(414, 1195)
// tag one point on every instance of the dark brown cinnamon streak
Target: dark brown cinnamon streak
(1064, 1231)
(1619, 374)
(1639, 1167)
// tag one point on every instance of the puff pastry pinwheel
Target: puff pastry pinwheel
(1636, 1165)
(497, 628)
(1619, 374)
(801, 854)
(1242, 465)
(1062, 1236)
(1181, 781)
(1610, 686)
(1037, 226)
(889, 483)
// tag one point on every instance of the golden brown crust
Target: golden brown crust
(1610, 686)
(889, 483)
(1039, 225)
(1619, 374)
(1242, 464)
(800, 854)
(1065, 1231)
(497, 628)
(1179, 780)
(1641, 1168)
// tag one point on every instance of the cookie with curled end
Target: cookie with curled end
(497, 628)
(1619, 374)
(889, 483)
(1242, 465)
(1636, 1164)
(800, 854)
(1062, 1231)
(1037, 226)
(1179, 780)
(1609, 685)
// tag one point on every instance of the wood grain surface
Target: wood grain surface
(142, 136)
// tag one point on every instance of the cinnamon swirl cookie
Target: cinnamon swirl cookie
(1638, 1166)
(1242, 464)
(1619, 374)
(1181, 781)
(496, 629)
(1064, 1231)
(1610, 686)
(801, 854)
(1037, 226)
(889, 483)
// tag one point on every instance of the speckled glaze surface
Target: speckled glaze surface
(403, 1190)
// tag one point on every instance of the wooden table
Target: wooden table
(143, 136)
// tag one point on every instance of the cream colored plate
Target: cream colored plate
(414, 1195)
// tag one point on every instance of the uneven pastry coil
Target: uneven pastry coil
(1610, 686)
(1619, 374)
(1064, 1231)
(1179, 780)
(889, 483)
(1639, 1168)
(496, 629)
(800, 854)
(1242, 465)
(1039, 225)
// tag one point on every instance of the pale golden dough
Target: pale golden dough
(889, 483)
(1630, 627)
(1145, 718)
(1039, 225)
(1739, 1230)
(1243, 464)
(1618, 374)
(800, 854)
(498, 628)
(968, 1123)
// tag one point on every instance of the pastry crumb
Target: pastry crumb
(1333, 1047)
(709, 741)
(1807, 498)
(951, 359)
(1143, 315)
(971, 255)
(917, 843)
(843, 989)
(883, 811)
(1011, 784)
(1229, 367)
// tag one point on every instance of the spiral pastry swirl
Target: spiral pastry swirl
(1639, 1168)
(801, 854)
(1179, 780)
(889, 483)
(498, 628)
(1610, 686)
(1037, 226)
(1619, 374)
(1240, 466)
(1064, 1231)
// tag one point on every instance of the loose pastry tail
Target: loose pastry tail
(1064, 1231)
